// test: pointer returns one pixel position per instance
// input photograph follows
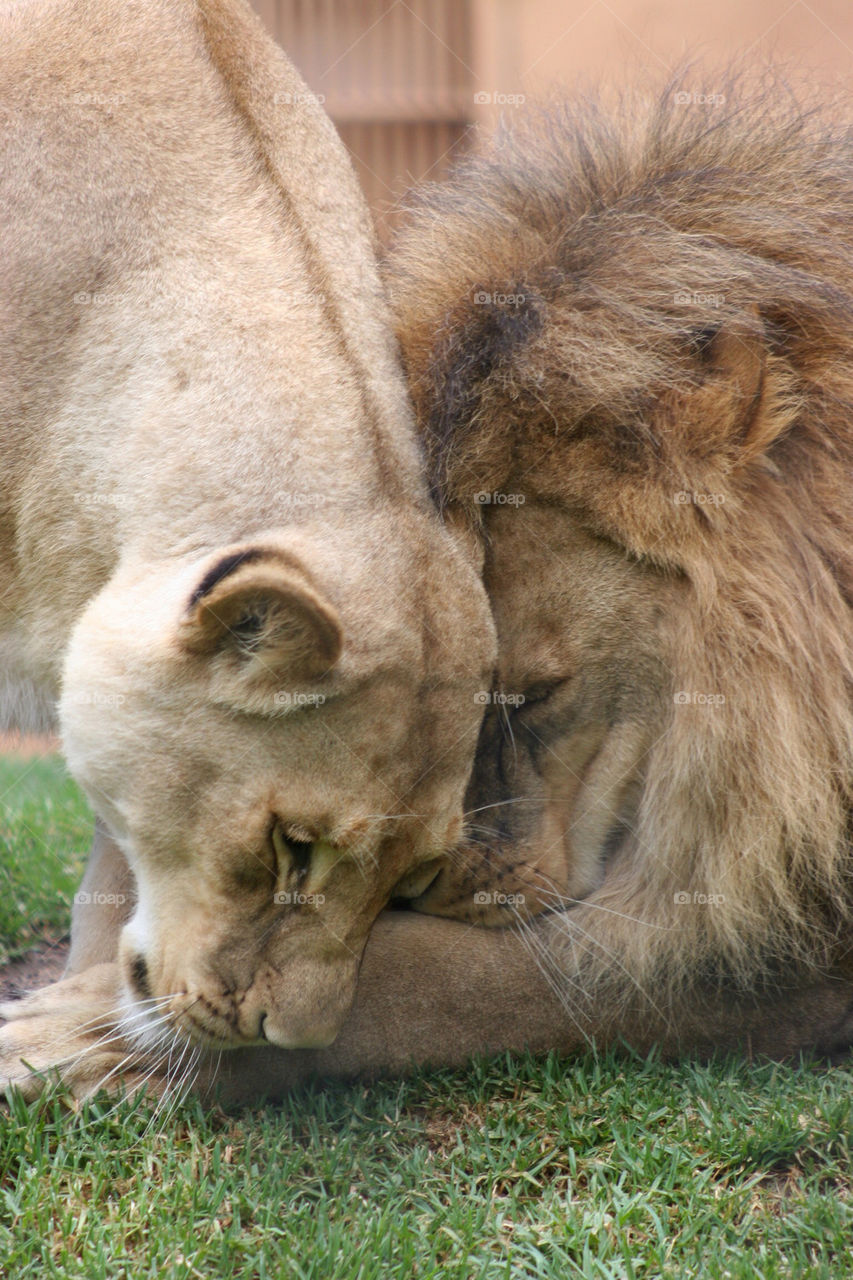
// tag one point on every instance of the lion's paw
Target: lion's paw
(71, 1031)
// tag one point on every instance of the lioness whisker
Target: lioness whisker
(106, 1022)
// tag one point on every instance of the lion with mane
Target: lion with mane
(635, 328)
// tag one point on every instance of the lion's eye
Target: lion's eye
(292, 851)
(537, 694)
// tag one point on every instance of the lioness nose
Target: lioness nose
(315, 1036)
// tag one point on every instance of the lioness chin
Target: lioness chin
(630, 347)
(218, 551)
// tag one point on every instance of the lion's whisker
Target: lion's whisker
(563, 899)
(542, 960)
(499, 804)
(570, 922)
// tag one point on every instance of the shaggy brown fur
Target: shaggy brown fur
(644, 321)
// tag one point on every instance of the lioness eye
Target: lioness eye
(292, 853)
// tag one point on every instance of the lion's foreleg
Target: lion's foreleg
(102, 904)
(430, 992)
(437, 992)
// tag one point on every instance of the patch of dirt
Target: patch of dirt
(443, 1129)
(42, 965)
(28, 744)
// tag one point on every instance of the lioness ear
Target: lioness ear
(258, 610)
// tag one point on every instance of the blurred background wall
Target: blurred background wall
(407, 81)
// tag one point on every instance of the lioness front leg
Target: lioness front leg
(78, 1030)
(102, 904)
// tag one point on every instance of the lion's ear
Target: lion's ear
(257, 611)
(460, 393)
(735, 360)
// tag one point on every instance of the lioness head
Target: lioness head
(272, 762)
(629, 344)
(215, 524)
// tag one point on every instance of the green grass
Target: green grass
(45, 834)
(600, 1166)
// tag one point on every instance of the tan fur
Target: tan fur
(216, 545)
(682, 280)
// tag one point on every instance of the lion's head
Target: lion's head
(629, 338)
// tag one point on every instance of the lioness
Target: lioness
(218, 548)
(630, 344)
